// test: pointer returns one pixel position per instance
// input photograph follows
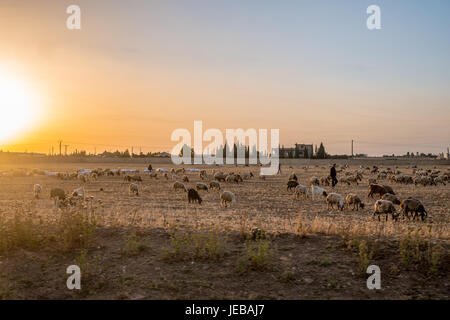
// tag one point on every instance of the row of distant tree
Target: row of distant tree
(320, 154)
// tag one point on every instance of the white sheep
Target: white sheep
(301, 189)
(337, 199)
(227, 196)
(384, 207)
(318, 191)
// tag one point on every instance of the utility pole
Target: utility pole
(60, 144)
(65, 149)
(352, 148)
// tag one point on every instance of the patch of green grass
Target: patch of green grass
(256, 255)
(196, 246)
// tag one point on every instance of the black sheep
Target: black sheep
(194, 196)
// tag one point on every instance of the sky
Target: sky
(138, 70)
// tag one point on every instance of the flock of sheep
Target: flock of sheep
(313, 189)
(388, 198)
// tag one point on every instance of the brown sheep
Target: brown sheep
(388, 189)
(353, 199)
(214, 185)
(376, 189)
(314, 181)
(57, 193)
(201, 186)
(220, 176)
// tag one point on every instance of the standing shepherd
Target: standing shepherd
(279, 168)
(334, 181)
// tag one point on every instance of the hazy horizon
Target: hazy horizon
(138, 70)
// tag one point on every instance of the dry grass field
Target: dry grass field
(159, 246)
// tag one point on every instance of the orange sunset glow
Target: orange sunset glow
(132, 75)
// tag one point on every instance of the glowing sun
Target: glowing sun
(18, 107)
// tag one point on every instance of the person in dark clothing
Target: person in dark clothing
(334, 181)
(279, 168)
(150, 168)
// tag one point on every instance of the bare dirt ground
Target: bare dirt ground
(158, 246)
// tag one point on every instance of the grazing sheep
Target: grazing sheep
(201, 186)
(154, 175)
(214, 185)
(337, 199)
(165, 175)
(345, 180)
(133, 189)
(220, 176)
(227, 196)
(292, 184)
(293, 177)
(132, 178)
(388, 189)
(413, 206)
(185, 178)
(248, 175)
(318, 191)
(179, 185)
(180, 170)
(425, 181)
(391, 197)
(325, 181)
(354, 178)
(353, 199)
(314, 181)
(384, 207)
(440, 179)
(37, 191)
(376, 189)
(382, 176)
(57, 193)
(194, 196)
(94, 176)
(301, 189)
(233, 178)
(78, 193)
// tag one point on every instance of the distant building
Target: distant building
(299, 151)
(444, 156)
